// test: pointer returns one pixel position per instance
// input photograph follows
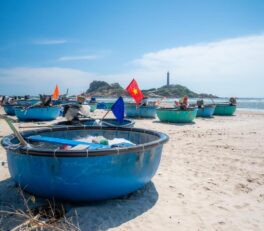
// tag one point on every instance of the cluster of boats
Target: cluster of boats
(182, 113)
(58, 162)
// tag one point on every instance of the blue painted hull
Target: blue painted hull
(9, 109)
(141, 112)
(106, 122)
(207, 111)
(27, 102)
(77, 176)
(37, 113)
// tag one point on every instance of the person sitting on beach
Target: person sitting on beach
(184, 102)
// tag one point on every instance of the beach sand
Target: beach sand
(211, 177)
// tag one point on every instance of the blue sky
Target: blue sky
(209, 46)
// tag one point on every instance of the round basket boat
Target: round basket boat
(93, 106)
(127, 123)
(206, 111)
(224, 109)
(37, 113)
(174, 115)
(84, 175)
(9, 109)
(104, 105)
(133, 111)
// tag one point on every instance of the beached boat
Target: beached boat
(93, 106)
(206, 111)
(9, 109)
(127, 123)
(45, 170)
(37, 113)
(224, 109)
(176, 115)
(104, 105)
(131, 110)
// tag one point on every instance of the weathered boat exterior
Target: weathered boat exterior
(175, 115)
(127, 123)
(9, 109)
(86, 175)
(104, 105)
(224, 109)
(27, 102)
(131, 110)
(37, 113)
(206, 111)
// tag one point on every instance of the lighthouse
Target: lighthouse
(168, 79)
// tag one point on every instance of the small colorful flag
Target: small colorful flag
(118, 109)
(56, 93)
(134, 91)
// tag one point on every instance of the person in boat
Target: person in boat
(45, 100)
(144, 102)
(92, 100)
(73, 112)
(200, 103)
(183, 103)
(232, 101)
(12, 100)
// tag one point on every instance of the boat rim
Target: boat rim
(176, 109)
(33, 151)
(61, 123)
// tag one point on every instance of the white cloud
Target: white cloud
(225, 68)
(43, 80)
(83, 57)
(50, 41)
(228, 67)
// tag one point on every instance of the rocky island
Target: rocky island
(104, 89)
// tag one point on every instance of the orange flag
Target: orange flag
(56, 93)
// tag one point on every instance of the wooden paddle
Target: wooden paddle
(16, 132)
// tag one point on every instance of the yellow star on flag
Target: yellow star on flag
(135, 91)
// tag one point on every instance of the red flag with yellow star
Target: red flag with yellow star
(134, 91)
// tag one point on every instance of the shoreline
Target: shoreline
(211, 177)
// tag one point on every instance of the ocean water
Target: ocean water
(242, 103)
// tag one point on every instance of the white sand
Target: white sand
(211, 177)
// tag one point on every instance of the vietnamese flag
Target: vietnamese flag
(56, 93)
(134, 91)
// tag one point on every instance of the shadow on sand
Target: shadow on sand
(175, 124)
(90, 216)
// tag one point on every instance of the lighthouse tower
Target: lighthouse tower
(168, 79)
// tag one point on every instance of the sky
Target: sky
(209, 46)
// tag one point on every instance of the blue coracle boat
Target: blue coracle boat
(85, 175)
(9, 109)
(206, 111)
(133, 111)
(127, 123)
(37, 113)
